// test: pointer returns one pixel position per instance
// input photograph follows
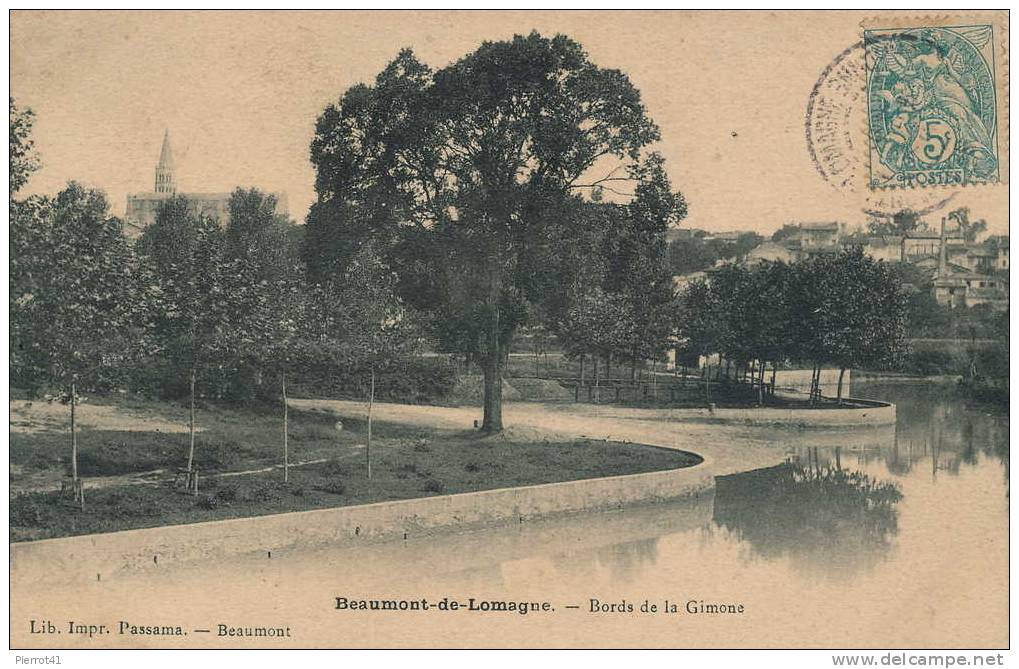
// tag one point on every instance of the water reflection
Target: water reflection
(821, 516)
(939, 429)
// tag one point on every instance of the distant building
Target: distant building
(888, 248)
(142, 208)
(999, 243)
(919, 245)
(969, 289)
(680, 282)
(728, 236)
(962, 286)
(976, 257)
(772, 252)
(819, 237)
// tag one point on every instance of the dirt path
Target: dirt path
(731, 448)
(42, 416)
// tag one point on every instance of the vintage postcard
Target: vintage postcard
(510, 329)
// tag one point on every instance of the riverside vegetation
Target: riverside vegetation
(137, 468)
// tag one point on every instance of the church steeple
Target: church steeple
(166, 179)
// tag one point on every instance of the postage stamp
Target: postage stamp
(932, 116)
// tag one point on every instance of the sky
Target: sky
(239, 93)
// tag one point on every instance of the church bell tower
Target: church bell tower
(166, 179)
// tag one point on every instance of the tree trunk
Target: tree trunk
(286, 441)
(815, 384)
(774, 371)
(371, 406)
(582, 357)
(760, 385)
(492, 420)
(633, 369)
(191, 425)
(608, 366)
(842, 372)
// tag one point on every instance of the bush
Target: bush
(992, 361)
(267, 492)
(332, 487)
(332, 468)
(226, 494)
(433, 485)
(412, 379)
(929, 362)
(207, 502)
(31, 510)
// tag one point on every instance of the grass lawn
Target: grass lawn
(407, 462)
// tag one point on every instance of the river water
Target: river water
(900, 544)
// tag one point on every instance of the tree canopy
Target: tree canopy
(461, 165)
(23, 158)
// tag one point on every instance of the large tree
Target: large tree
(464, 160)
(970, 230)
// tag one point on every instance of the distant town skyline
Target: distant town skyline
(240, 93)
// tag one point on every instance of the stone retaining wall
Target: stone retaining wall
(97, 555)
(860, 413)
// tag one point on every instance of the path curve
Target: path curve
(730, 448)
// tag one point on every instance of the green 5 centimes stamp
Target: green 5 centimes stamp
(932, 106)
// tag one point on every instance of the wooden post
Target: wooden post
(191, 425)
(286, 441)
(371, 404)
(74, 437)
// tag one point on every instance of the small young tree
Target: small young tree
(596, 323)
(74, 318)
(191, 306)
(266, 298)
(702, 324)
(360, 322)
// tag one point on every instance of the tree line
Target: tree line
(192, 308)
(841, 310)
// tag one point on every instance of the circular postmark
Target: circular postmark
(839, 145)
